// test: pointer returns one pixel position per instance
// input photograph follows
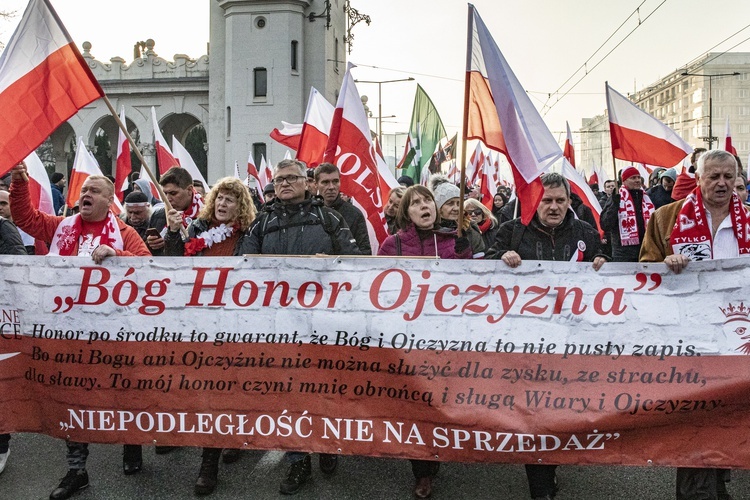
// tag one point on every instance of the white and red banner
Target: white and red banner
(123, 165)
(40, 191)
(632, 365)
(43, 82)
(598, 176)
(252, 171)
(594, 178)
(474, 167)
(186, 161)
(569, 151)
(453, 172)
(489, 179)
(314, 137)
(579, 186)
(602, 175)
(40, 194)
(364, 175)
(639, 137)
(503, 117)
(164, 157)
(644, 170)
(151, 186)
(85, 165)
(289, 135)
(266, 172)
